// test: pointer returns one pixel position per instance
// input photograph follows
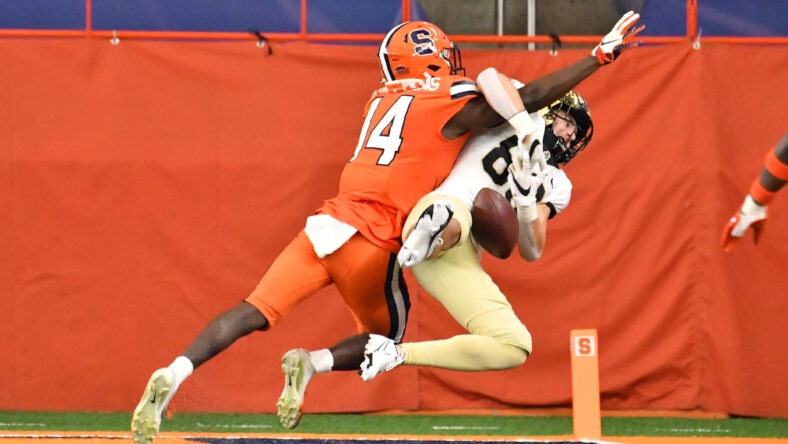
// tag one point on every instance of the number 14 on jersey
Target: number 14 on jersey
(393, 120)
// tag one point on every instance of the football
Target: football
(494, 225)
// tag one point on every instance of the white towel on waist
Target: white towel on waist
(327, 234)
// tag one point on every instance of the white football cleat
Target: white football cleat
(426, 235)
(380, 355)
(147, 416)
(298, 370)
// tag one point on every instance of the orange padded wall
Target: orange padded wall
(147, 186)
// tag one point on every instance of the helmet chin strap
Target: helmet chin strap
(559, 143)
(555, 146)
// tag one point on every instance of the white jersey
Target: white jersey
(484, 162)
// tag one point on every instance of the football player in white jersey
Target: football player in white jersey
(569, 129)
(494, 159)
(519, 160)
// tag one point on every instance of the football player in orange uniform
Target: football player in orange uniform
(752, 213)
(497, 338)
(413, 129)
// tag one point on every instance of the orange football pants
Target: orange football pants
(368, 278)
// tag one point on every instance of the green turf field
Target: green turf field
(404, 424)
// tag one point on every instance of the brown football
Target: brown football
(495, 224)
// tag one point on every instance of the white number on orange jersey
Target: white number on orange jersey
(387, 133)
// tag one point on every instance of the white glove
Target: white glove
(751, 215)
(426, 235)
(527, 155)
(536, 160)
(618, 39)
(525, 177)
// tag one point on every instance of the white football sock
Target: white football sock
(322, 360)
(182, 367)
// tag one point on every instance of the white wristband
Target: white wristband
(526, 208)
(527, 213)
(752, 208)
(522, 123)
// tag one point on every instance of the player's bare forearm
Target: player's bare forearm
(551, 87)
(526, 242)
(478, 113)
(533, 235)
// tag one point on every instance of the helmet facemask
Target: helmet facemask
(456, 59)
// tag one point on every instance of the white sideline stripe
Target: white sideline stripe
(465, 428)
(690, 429)
(241, 426)
(283, 438)
(37, 424)
(592, 441)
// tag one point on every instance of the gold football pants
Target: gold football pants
(497, 339)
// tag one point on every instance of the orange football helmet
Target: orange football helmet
(412, 49)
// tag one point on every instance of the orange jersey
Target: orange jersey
(401, 155)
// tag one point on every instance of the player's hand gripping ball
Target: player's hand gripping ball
(495, 225)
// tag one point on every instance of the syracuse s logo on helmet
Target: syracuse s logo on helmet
(423, 44)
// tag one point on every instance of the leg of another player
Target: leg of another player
(219, 334)
(300, 365)
(349, 353)
(497, 339)
(346, 355)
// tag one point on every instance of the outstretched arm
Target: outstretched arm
(547, 89)
(539, 93)
(500, 102)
